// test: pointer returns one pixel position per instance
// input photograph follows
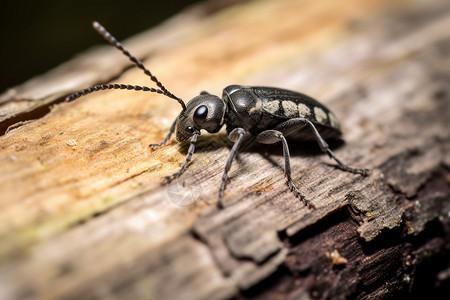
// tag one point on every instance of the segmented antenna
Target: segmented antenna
(113, 41)
(116, 86)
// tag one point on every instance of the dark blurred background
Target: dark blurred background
(39, 35)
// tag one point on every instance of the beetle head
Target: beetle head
(205, 111)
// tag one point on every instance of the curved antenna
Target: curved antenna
(113, 41)
(115, 86)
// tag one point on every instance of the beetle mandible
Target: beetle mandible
(268, 114)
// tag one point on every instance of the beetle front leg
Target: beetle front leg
(163, 142)
(271, 137)
(187, 160)
(237, 135)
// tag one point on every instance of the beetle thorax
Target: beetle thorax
(245, 107)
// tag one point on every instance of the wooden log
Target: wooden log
(85, 212)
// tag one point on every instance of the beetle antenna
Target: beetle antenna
(116, 86)
(113, 41)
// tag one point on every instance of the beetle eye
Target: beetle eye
(190, 129)
(200, 114)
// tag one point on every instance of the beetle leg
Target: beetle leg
(186, 162)
(237, 135)
(271, 137)
(325, 148)
(163, 142)
(345, 167)
(322, 144)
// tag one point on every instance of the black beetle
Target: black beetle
(266, 113)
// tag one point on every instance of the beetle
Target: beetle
(267, 114)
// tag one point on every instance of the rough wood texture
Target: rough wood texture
(85, 213)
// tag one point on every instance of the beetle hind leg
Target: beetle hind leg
(325, 148)
(345, 167)
(271, 137)
(322, 144)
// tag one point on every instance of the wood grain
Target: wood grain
(85, 212)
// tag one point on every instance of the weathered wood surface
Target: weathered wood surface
(85, 213)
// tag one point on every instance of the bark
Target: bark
(85, 212)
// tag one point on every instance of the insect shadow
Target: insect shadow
(209, 143)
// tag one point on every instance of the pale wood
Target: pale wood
(85, 213)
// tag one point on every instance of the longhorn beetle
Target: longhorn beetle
(266, 113)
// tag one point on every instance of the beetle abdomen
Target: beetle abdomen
(286, 104)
